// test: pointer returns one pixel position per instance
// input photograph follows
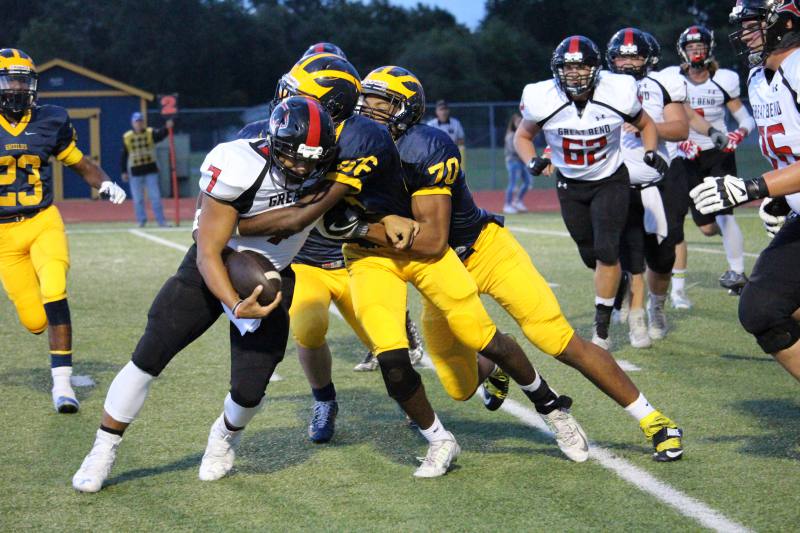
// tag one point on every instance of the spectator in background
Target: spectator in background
(449, 125)
(517, 171)
(139, 168)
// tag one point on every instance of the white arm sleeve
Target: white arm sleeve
(744, 119)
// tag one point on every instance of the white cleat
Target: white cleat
(415, 355)
(680, 301)
(601, 342)
(441, 454)
(220, 452)
(637, 330)
(570, 437)
(64, 399)
(97, 465)
(509, 209)
(369, 364)
(657, 318)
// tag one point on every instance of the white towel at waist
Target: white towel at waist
(245, 325)
(655, 219)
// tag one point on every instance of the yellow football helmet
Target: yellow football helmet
(403, 94)
(328, 78)
(18, 81)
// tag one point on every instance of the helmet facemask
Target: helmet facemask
(763, 29)
(17, 89)
(300, 163)
(576, 78)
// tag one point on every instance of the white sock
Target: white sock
(436, 431)
(733, 241)
(678, 279)
(640, 408)
(61, 376)
(608, 302)
(127, 393)
(658, 299)
(108, 437)
(533, 387)
(239, 416)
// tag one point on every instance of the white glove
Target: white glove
(716, 194)
(772, 223)
(689, 149)
(112, 191)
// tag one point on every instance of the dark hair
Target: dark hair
(712, 67)
(511, 126)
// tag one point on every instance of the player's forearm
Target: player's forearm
(523, 144)
(696, 122)
(783, 181)
(674, 130)
(90, 172)
(215, 276)
(649, 132)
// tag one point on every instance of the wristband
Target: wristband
(235, 307)
(756, 188)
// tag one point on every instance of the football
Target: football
(248, 270)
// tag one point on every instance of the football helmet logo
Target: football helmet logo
(697, 58)
(576, 65)
(629, 44)
(301, 139)
(326, 77)
(403, 99)
(18, 81)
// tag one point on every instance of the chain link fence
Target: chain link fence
(485, 124)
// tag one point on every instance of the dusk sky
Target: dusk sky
(468, 12)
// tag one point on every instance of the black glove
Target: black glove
(719, 139)
(537, 165)
(342, 223)
(652, 159)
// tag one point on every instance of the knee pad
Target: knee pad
(248, 393)
(53, 281)
(587, 255)
(32, 315)
(761, 314)
(662, 259)
(607, 253)
(401, 380)
(57, 312)
(309, 325)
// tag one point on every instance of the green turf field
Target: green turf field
(739, 410)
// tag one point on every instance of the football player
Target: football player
(34, 258)
(321, 279)
(499, 265)
(369, 169)
(654, 225)
(239, 179)
(769, 36)
(581, 112)
(710, 151)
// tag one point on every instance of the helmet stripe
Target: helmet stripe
(628, 40)
(312, 138)
(574, 45)
(319, 48)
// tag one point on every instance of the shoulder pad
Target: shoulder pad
(729, 81)
(230, 169)
(618, 91)
(254, 130)
(673, 82)
(360, 136)
(540, 100)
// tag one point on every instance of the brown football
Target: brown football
(248, 270)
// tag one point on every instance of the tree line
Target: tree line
(232, 52)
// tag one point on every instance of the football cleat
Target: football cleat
(665, 436)
(495, 389)
(570, 437)
(637, 330)
(369, 364)
(323, 421)
(657, 318)
(98, 463)
(679, 300)
(509, 209)
(64, 400)
(600, 341)
(220, 451)
(415, 348)
(733, 281)
(519, 206)
(441, 455)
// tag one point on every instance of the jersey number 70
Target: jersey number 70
(29, 165)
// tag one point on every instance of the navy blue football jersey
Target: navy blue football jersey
(26, 181)
(432, 165)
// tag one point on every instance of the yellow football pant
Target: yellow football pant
(501, 268)
(34, 259)
(314, 290)
(378, 280)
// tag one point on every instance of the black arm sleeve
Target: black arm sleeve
(123, 159)
(159, 134)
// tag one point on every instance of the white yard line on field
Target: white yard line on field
(79, 231)
(555, 233)
(638, 477)
(182, 248)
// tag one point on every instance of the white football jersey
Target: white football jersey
(585, 145)
(775, 109)
(656, 90)
(708, 99)
(239, 173)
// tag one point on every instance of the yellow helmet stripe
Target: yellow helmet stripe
(394, 83)
(307, 81)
